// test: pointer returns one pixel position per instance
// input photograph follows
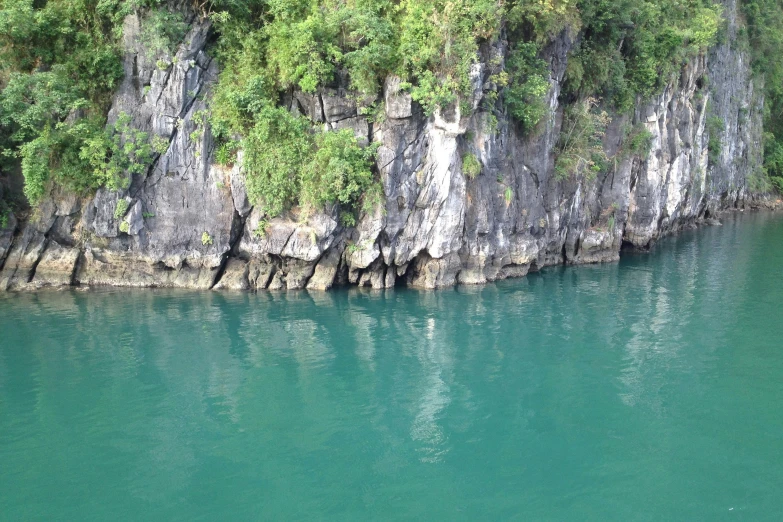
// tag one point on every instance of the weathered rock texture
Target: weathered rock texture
(189, 223)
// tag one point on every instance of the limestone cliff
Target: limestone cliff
(189, 222)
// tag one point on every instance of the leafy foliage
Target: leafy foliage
(580, 150)
(59, 63)
(60, 60)
(288, 163)
(121, 209)
(528, 85)
(637, 141)
(276, 147)
(339, 171)
(471, 166)
(161, 29)
(765, 32)
(439, 43)
(714, 126)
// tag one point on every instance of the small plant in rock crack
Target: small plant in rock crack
(375, 112)
(121, 209)
(610, 215)
(206, 239)
(471, 166)
(714, 127)
(260, 230)
(637, 141)
(348, 219)
(226, 153)
(5, 211)
(160, 144)
(354, 247)
(199, 119)
(579, 150)
(124, 227)
(119, 152)
(508, 195)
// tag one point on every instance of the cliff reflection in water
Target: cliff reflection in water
(586, 383)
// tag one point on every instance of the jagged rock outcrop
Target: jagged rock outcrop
(188, 223)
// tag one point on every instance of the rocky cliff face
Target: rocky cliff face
(189, 223)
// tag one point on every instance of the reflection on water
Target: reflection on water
(435, 360)
(624, 389)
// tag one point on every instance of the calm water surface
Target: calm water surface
(648, 390)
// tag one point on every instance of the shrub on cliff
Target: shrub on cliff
(765, 32)
(288, 163)
(60, 62)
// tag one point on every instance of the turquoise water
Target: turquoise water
(648, 390)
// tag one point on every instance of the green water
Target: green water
(648, 390)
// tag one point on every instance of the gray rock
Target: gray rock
(337, 105)
(235, 276)
(277, 283)
(359, 126)
(20, 263)
(310, 106)
(57, 265)
(238, 190)
(7, 237)
(260, 272)
(398, 103)
(325, 271)
(297, 273)
(135, 219)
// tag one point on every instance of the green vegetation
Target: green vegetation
(580, 150)
(610, 215)
(634, 47)
(5, 211)
(59, 63)
(161, 29)
(637, 141)
(60, 60)
(714, 126)
(288, 163)
(270, 47)
(260, 230)
(121, 209)
(528, 85)
(471, 166)
(764, 20)
(206, 239)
